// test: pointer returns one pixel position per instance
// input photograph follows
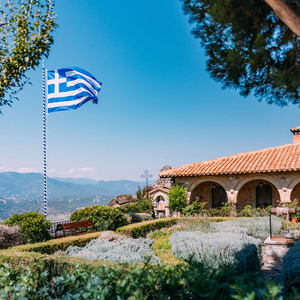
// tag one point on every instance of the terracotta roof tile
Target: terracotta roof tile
(275, 159)
(295, 129)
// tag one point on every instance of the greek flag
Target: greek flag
(70, 88)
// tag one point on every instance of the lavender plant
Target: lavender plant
(234, 243)
(127, 250)
(218, 249)
(257, 227)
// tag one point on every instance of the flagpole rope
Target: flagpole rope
(44, 143)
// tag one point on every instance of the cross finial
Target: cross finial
(146, 175)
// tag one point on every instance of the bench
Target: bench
(75, 228)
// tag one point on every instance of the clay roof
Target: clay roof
(160, 188)
(275, 159)
(295, 129)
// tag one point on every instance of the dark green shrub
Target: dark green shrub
(140, 206)
(177, 198)
(33, 226)
(196, 208)
(110, 217)
(137, 217)
(43, 281)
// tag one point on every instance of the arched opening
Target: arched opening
(295, 194)
(160, 207)
(263, 195)
(160, 203)
(257, 193)
(210, 192)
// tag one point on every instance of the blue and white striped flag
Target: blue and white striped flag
(70, 88)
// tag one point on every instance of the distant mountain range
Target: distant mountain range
(20, 192)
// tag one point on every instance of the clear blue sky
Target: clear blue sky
(157, 105)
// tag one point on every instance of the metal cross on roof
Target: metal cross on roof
(146, 176)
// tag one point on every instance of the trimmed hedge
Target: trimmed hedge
(52, 246)
(27, 254)
(141, 229)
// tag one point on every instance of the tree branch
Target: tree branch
(286, 14)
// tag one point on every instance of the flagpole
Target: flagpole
(44, 143)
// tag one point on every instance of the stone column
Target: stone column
(285, 195)
(232, 195)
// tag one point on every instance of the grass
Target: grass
(162, 249)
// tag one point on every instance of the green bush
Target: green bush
(137, 217)
(196, 208)
(110, 217)
(141, 229)
(33, 226)
(43, 281)
(140, 206)
(177, 198)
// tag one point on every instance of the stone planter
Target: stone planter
(278, 249)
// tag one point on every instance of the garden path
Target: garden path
(271, 268)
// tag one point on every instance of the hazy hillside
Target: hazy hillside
(20, 192)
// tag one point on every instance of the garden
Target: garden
(192, 257)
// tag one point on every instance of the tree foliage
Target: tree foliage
(248, 47)
(26, 29)
(177, 198)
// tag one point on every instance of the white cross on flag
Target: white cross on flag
(70, 88)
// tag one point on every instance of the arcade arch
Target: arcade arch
(257, 193)
(210, 192)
